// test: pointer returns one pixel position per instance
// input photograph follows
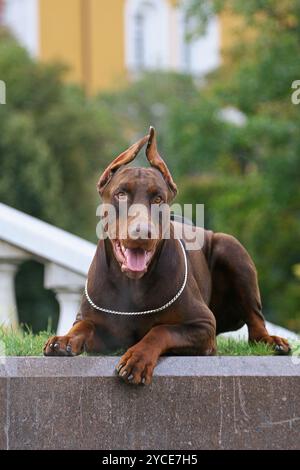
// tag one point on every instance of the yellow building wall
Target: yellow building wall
(88, 36)
(107, 38)
(60, 34)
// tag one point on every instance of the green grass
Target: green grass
(25, 343)
(231, 347)
(21, 343)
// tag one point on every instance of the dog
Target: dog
(147, 294)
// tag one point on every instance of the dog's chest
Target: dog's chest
(119, 332)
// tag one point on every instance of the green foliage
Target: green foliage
(150, 101)
(54, 144)
(251, 189)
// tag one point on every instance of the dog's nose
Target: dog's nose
(140, 230)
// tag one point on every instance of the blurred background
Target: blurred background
(85, 78)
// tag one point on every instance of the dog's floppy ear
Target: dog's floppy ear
(156, 161)
(122, 159)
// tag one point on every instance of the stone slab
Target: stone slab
(3, 413)
(193, 403)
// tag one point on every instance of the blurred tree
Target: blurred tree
(54, 144)
(253, 190)
(148, 101)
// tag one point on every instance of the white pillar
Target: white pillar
(68, 307)
(8, 305)
(68, 287)
(10, 258)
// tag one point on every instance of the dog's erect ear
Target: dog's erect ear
(156, 161)
(122, 159)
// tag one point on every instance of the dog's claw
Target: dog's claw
(282, 350)
(124, 373)
(63, 346)
(130, 377)
(119, 367)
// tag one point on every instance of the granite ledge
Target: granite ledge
(179, 366)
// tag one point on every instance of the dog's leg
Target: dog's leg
(236, 297)
(137, 364)
(80, 337)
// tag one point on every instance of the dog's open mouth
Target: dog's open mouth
(133, 261)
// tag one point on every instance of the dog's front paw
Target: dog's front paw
(64, 346)
(136, 366)
(280, 345)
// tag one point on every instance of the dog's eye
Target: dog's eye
(157, 200)
(121, 195)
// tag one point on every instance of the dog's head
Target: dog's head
(139, 197)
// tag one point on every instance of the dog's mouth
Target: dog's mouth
(133, 261)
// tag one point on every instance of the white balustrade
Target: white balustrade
(10, 258)
(66, 259)
(68, 287)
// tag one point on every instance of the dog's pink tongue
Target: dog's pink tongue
(136, 259)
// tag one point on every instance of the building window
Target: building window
(198, 55)
(139, 40)
(187, 44)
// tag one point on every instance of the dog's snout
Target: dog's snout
(142, 230)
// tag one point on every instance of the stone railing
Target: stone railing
(193, 403)
(66, 259)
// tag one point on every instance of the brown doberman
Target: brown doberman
(143, 271)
